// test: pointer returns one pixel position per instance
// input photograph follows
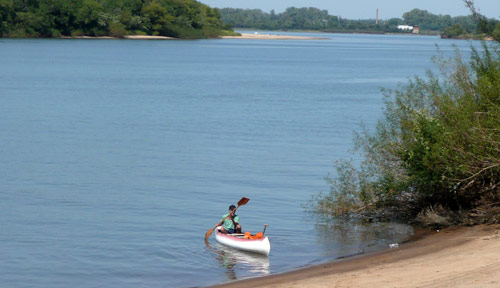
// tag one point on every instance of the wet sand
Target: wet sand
(454, 257)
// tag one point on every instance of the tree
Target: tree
(7, 15)
(90, 18)
(158, 18)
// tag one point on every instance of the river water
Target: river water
(118, 155)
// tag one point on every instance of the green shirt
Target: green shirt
(228, 223)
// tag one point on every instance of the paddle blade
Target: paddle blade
(209, 233)
(243, 201)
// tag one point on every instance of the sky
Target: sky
(366, 9)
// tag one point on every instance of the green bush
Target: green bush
(117, 29)
(454, 30)
(55, 33)
(77, 33)
(437, 144)
(229, 33)
(18, 33)
(139, 32)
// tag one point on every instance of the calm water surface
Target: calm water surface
(117, 156)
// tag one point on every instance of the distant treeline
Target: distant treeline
(315, 19)
(55, 18)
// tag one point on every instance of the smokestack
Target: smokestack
(376, 21)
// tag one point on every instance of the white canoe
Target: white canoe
(261, 246)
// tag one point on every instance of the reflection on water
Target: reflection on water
(232, 260)
(341, 239)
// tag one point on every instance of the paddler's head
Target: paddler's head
(231, 209)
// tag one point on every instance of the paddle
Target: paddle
(242, 202)
(265, 227)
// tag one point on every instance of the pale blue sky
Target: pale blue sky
(365, 9)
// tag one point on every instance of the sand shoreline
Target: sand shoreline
(454, 257)
(130, 37)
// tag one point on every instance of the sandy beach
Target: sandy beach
(148, 37)
(272, 37)
(243, 36)
(132, 37)
(453, 257)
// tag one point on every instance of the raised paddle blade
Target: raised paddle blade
(243, 201)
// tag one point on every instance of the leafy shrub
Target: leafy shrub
(18, 33)
(437, 144)
(77, 33)
(117, 29)
(454, 30)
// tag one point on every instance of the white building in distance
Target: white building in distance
(405, 27)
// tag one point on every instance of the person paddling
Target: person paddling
(231, 223)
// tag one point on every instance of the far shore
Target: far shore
(454, 257)
(272, 37)
(253, 36)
